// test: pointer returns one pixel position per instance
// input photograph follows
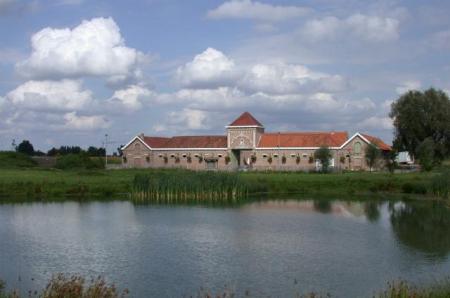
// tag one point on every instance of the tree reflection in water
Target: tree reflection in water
(322, 206)
(372, 210)
(424, 226)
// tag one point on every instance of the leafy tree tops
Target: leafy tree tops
(25, 147)
(419, 117)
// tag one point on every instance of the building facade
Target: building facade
(246, 145)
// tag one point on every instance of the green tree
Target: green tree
(425, 154)
(390, 160)
(323, 154)
(419, 115)
(25, 147)
(372, 155)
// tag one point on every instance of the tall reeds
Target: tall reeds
(188, 186)
(440, 184)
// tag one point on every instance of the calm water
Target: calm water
(276, 248)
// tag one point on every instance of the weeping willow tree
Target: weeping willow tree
(188, 186)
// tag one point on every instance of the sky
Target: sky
(72, 71)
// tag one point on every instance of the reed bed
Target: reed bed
(188, 186)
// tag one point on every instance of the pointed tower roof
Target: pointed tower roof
(246, 119)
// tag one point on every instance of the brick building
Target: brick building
(247, 145)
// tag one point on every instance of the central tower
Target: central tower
(244, 132)
(243, 135)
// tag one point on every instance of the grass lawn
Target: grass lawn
(35, 183)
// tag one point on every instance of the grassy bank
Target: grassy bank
(76, 286)
(46, 184)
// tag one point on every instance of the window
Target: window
(357, 148)
(219, 155)
(184, 155)
(172, 155)
(293, 155)
(275, 155)
(196, 155)
(264, 155)
(305, 155)
(160, 155)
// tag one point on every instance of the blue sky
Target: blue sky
(73, 70)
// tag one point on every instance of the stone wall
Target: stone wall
(137, 155)
(351, 157)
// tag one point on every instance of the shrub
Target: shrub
(79, 161)
(76, 287)
(342, 159)
(269, 160)
(9, 159)
(283, 159)
(311, 159)
(297, 160)
(403, 289)
(324, 155)
(390, 160)
(227, 159)
(372, 154)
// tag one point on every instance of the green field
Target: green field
(35, 183)
(22, 179)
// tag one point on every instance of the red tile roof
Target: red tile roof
(246, 119)
(155, 142)
(188, 142)
(378, 142)
(303, 139)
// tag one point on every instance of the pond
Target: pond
(270, 248)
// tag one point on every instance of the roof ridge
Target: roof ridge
(199, 136)
(245, 119)
(305, 132)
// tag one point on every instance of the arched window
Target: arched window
(357, 148)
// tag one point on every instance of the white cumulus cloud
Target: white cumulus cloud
(208, 69)
(407, 86)
(76, 122)
(93, 48)
(50, 95)
(377, 123)
(282, 78)
(248, 9)
(184, 120)
(131, 97)
(360, 26)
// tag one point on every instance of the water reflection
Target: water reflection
(322, 206)
(372, 210)
(423, 226)
(170, 250)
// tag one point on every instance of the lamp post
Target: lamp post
(106, 154)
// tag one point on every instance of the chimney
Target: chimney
(141, 136)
